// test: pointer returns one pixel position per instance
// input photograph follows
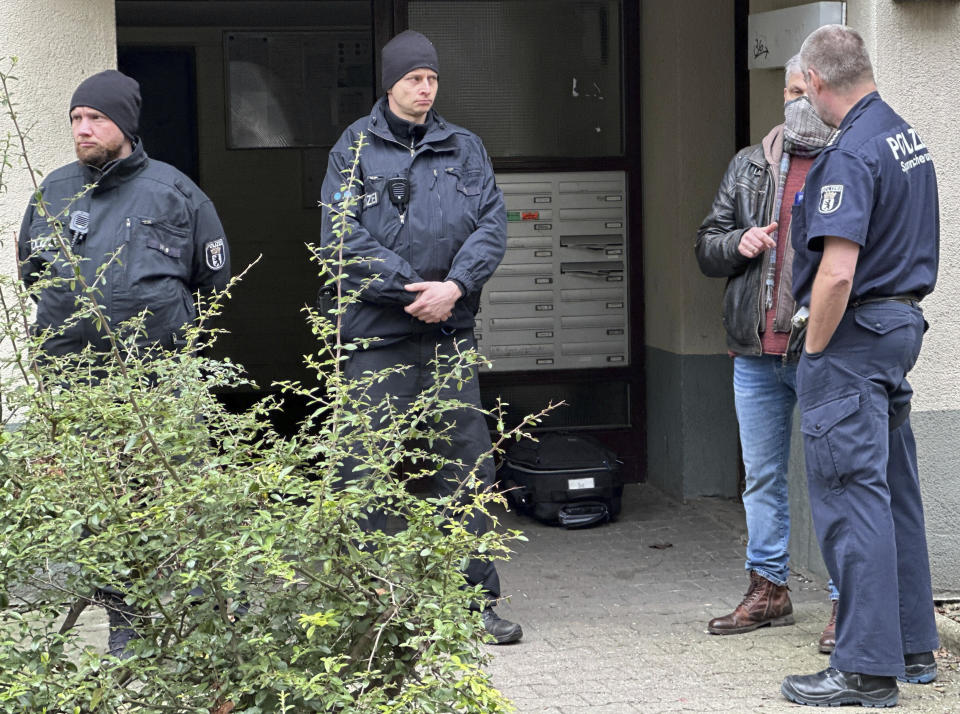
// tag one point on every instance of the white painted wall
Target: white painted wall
(58, 43)
(915, 48)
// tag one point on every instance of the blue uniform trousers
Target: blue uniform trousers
(864, 489)
(469, 437)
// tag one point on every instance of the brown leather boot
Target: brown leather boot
(764, 604)
(828, 638)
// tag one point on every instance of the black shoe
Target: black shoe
(831, 688)
(921, 668)
(503, 631)
(121, 619)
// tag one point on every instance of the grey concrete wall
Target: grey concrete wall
(692, 442)
(938, 450)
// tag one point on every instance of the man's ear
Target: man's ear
(814, 79)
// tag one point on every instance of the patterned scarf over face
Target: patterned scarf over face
(804, 133)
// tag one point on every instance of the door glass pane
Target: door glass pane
(535, 78)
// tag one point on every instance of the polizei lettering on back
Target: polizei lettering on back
(904, 144)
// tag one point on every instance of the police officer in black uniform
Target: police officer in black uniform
(163, 230)
(866, 234)
(431, 231)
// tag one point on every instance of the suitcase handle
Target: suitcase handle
(580, 515)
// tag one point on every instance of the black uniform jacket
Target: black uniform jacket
(163, 231)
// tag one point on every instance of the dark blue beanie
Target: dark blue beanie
(407, 51)
(114, 94)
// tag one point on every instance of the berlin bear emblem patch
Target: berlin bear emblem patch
(215, 254)
(830, 197)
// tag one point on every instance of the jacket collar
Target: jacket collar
(118, 171)
(857, 109)
(772, 145)
(440, 130)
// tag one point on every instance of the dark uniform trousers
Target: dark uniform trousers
(469, 435)
(864, 488)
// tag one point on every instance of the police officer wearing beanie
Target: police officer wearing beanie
(168, 233)
(433, 227)
(170, 241)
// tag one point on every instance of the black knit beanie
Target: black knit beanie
(407, 51)
(113, 93)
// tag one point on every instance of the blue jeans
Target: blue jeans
(765, 393)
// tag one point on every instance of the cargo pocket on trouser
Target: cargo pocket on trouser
(834, 440)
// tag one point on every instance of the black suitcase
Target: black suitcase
(563, 479)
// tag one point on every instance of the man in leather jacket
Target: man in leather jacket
(746, 239)
(430, 231)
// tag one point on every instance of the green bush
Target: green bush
(256, 587)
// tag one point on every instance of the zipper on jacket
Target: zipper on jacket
(436, 177)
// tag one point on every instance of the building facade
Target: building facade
(685, 99)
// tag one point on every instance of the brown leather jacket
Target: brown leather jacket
(745, 199)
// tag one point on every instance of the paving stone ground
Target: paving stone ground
(614, 619)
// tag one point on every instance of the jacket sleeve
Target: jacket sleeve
(394, 272)
(719, 235)
(28, 266)
(31, 263)
(211, 252)
(482, 251)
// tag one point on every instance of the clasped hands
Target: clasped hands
(435, 300)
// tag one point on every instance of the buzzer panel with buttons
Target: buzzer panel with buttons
(559, 299)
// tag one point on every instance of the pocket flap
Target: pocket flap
(817, 421)
(469, 180)
(881, 321)
(158, 245)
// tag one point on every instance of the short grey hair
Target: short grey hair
(793, 66)
(839, 55)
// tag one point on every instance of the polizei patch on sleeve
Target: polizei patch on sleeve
(830, 197)
(213, 250)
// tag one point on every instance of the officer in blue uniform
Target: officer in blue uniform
(866, 233)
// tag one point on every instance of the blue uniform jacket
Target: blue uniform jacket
(168, 235)
(455, 226)
(875, 186)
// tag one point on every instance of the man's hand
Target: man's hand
(756, 240)
(435, 301)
